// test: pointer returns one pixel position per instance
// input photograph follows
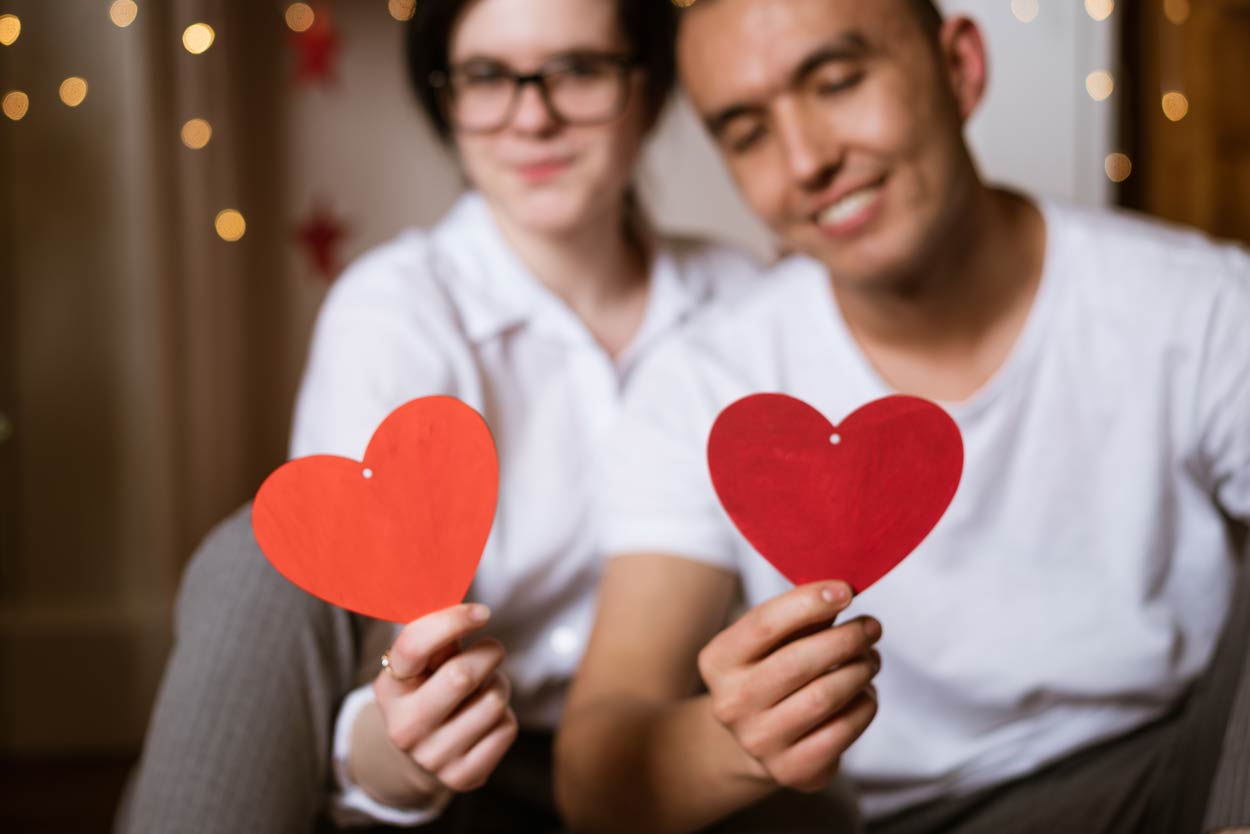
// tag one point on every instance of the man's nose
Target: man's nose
(813, 153)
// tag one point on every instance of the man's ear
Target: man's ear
(964, 59)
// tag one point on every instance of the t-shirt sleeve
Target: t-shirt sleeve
(377, 343)
(1224, 394)
(657, 494)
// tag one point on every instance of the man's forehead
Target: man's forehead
(734, 48)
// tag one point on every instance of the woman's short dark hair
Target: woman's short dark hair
(650, 26)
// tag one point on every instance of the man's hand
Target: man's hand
(794, 692)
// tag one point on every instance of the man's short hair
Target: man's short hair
(929, 13)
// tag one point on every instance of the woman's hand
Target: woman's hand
(446, 708)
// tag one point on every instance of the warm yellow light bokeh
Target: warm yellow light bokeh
(15, 105)
(73, 91)
(1100, 85)
(1175, 105)
(10, 28)
(230, 225)
(683, 4)
(1099, 9)
(196, 133)
(198, 37)
(123, 13)
(1118, 167)
(299, 17)
(401, 9)
(1177, 11)
(1025, 10)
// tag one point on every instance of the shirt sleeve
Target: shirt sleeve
(350, 806)
(1224, 395)
(658, 495)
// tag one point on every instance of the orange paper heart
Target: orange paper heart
(394, 536)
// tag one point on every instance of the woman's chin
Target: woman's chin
(549, 211)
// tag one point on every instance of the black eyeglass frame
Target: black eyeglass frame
(441, 80)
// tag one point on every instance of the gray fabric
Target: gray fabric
(1166, 778)
(240, 737)
(1229, 805)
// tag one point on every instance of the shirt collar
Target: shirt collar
(494, 291)
(492, 288)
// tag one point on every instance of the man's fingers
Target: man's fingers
(797, 664)
(814, 704)
(812, 761)
(467, 726)
(412, 716)
(770, 623)
(470, 770)
(412, 653)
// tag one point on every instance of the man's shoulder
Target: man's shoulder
(755, 311)
(1147, 256)
(710, 268)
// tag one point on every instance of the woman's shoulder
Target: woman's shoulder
(403, 283)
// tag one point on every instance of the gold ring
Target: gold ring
(389, 667)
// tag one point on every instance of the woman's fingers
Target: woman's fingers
(413, 715)
(466, 727)
(413, 652)
(470, 770)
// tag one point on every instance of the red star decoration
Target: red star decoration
(320, 234)
(317, 50)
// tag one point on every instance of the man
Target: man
(1040, 649)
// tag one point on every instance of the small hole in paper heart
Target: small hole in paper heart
(368, 473)
(835, 439)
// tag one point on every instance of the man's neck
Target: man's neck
(954, 320)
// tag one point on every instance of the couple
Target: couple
(1047, 661)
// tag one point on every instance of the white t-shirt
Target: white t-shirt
(453, 311)
(1079, 580)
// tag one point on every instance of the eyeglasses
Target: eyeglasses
(481, 95)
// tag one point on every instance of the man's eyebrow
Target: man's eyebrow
(847, 47)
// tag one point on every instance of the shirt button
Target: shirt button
(564, 640)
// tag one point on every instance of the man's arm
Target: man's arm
(639, 749)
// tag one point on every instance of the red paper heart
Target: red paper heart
(398, 535)
(842, 502)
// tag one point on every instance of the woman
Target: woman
(531, 300)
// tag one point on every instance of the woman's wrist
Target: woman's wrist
(386, 773)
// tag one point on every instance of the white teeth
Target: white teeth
(849, 206)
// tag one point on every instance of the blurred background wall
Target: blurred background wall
(174, 202)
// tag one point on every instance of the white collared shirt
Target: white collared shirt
(455, 312)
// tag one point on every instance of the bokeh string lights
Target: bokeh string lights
(315, 42)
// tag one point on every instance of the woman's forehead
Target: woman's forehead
(533, 29)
